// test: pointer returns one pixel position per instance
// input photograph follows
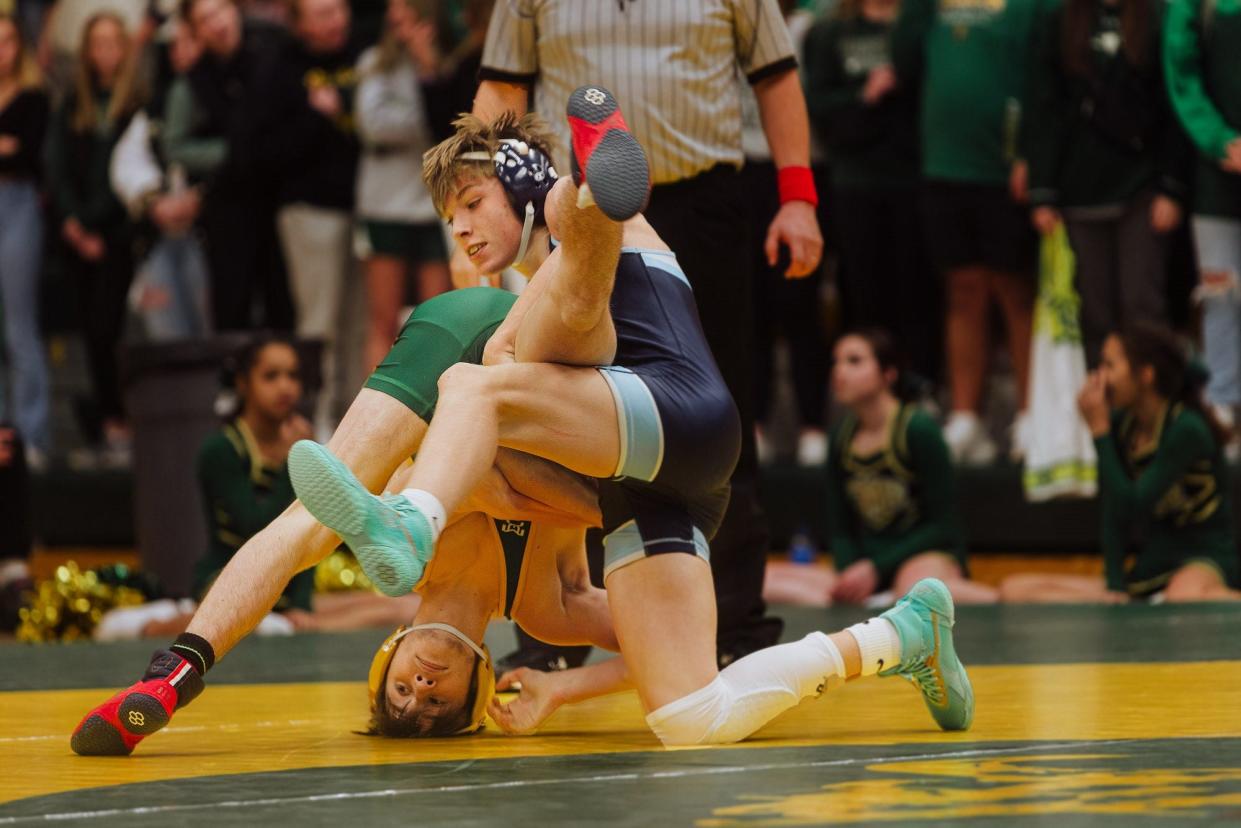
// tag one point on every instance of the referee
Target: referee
(673, 65)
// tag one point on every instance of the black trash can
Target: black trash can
(170, 393)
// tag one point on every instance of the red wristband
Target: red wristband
(796, 184)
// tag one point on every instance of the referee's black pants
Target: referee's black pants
(704, 221)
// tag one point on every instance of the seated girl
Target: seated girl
(244, 482)
(891, 496)
(1163, 483)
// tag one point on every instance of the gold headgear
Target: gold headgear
(484, 674)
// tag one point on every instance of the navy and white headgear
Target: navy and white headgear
(527, 176)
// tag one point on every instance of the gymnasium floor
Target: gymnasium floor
(1085, 716)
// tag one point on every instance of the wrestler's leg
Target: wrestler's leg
(664, 615)
(568, 321)
(566, 415)
(377, 433)
(375, 436)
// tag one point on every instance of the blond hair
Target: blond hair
(126, 93)
(443, 164)
(28, 74)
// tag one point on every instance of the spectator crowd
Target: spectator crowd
(173, 169)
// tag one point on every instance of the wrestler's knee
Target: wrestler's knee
(695, 719)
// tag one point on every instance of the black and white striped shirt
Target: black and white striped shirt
(672, 64)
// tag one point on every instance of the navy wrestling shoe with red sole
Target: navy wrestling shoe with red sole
(606, 154)
(115, 727)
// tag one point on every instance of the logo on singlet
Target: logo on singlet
(514, 527)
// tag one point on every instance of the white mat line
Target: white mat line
(530, 783)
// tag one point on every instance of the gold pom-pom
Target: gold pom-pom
(341, 572)
(67, 606)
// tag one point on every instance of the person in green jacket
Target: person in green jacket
(891, 493)
(969, 59)
(1202, 67)
(1106, 153)
(1163, 483)
(94, 226)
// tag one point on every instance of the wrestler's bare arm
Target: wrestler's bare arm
(557, 602)
(549, 483)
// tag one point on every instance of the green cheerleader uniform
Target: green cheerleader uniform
(1167, 502)
(896, 503)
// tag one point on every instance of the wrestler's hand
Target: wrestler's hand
(538, 700)
(575, 497)
(495, 496)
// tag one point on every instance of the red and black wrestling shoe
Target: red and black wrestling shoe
(606, 155)
(115, 727)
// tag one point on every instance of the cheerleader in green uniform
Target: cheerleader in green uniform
(1163, 482)
(891, 504)
(244, 483)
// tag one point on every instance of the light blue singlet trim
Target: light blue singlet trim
(641, 432)
(664, 260)
(625, 546)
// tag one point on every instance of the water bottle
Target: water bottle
(802, 549)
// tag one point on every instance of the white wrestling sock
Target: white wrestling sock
(750, 692)
(431, 509)
(879, 644)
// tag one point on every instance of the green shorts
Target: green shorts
(417, 243)
(453, 327)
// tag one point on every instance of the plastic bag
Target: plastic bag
(1060, 460)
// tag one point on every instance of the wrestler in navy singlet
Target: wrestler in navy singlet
(680, 430)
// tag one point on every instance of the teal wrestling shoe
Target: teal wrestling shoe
(390, 537)
(923, 620)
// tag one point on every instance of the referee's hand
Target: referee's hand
(797, 226)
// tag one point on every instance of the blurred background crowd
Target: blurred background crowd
(176, 171)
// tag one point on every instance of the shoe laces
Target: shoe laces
(927, 678)
(924, 673)
(399, 504)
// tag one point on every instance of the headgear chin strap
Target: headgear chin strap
(527, 175)
(484, 673)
